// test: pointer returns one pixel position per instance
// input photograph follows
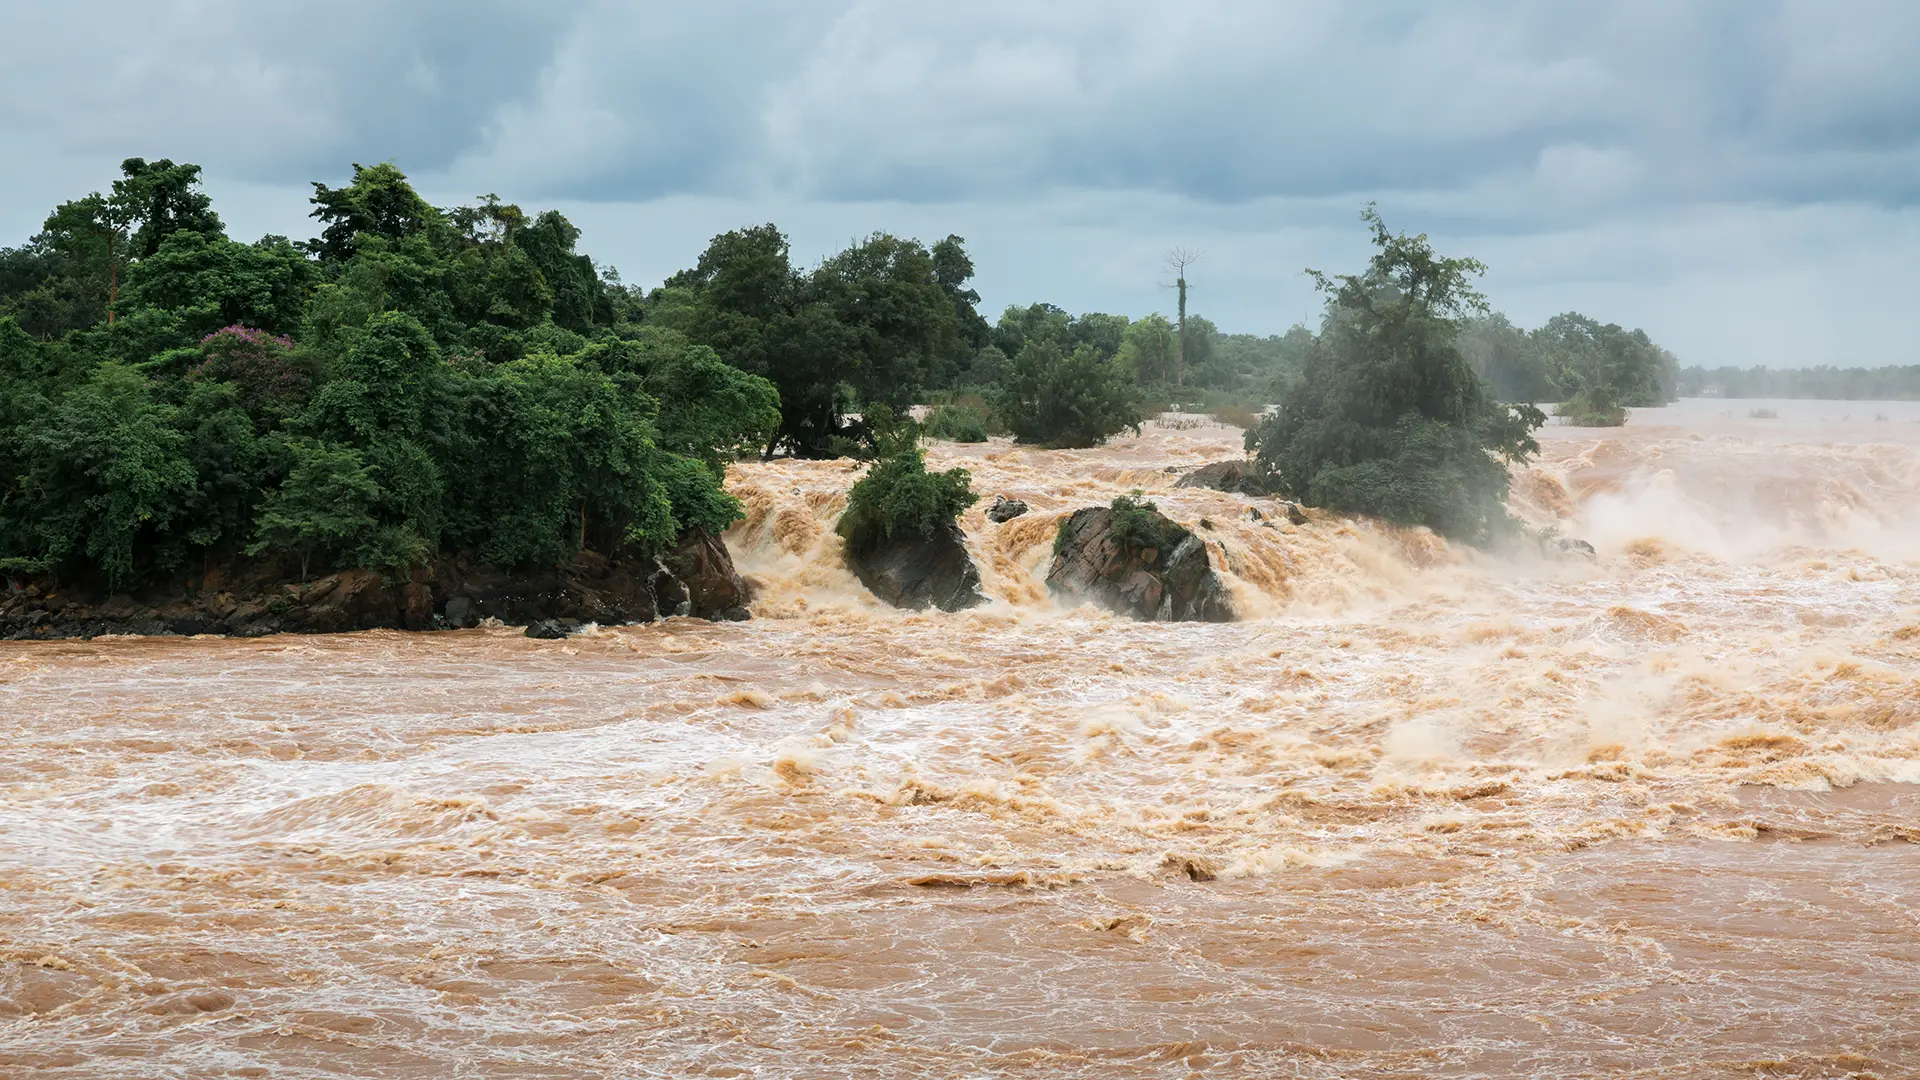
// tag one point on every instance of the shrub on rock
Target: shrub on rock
(1133, 560)
(902, 539)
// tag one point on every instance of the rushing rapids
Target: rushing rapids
(1420, 812)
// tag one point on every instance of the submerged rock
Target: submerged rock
(1571, 546)
(1170, 580)
(1004, 509)
(552, 629)
(915, 570)
(1237, 477)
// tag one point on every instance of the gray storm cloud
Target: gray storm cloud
(1602, 146)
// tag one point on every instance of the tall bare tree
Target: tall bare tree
(1178, 260)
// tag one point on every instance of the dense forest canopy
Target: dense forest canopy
(413, 381)
(416, 380)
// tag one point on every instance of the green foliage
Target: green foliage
(1594, 370)
(1058, 400)
(957, 423)
(165, 200)
(696, 501)
(203, 284)
(1388, 417)
(898, 494)
(1147, 353)
(102, 471)
(710, 410)
(413, 383)
(1606, 367)
(873, 325)
(1137, 525)
(1592, 407)
(323, 505)
(378, 203)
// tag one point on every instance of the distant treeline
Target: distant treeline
(1828, 383)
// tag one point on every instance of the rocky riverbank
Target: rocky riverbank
(697, 578)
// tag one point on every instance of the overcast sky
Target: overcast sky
(1738, 177)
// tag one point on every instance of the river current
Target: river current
(1423, 811)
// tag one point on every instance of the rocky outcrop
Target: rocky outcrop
(696, 578)
(1165, 577)
(916, 570)
(702, 570)
(1004, 509)
(1237, 477)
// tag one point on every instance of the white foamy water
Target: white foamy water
(1423, 812)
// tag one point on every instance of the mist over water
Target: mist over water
(1424, 811)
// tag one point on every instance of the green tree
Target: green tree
(379, 202)
(322, 506)
(953, 269)
(203, 284)
(104, 470)
(1389, 418)
(67, 276)
(1605, 368)
(899, 495)
(1149, 351)
(1509, 360)
(1061, 400)
(578, 299)
(710, 411)
(164, 199)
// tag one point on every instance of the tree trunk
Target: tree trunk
(1180, 350)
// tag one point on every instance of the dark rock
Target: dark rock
(1237, 477)
(251, 599)
(1295, 514)
(552, 629)
(1091, 565)
(670, 596)
(1577, 547)
(703, 567)
(416, 605)
(1005, 509)
(912, 570)
(459, 612)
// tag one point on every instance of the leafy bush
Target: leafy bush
(957, 423)
(898, 494)
(1591, 409)
(1066, 400)
(1139, 525)
(1388, 417)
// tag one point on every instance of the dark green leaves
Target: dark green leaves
(1066, 400)
(898, 494)
(1387, 417)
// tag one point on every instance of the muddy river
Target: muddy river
(1421, 812)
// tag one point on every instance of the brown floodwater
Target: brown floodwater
(1422, 812)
